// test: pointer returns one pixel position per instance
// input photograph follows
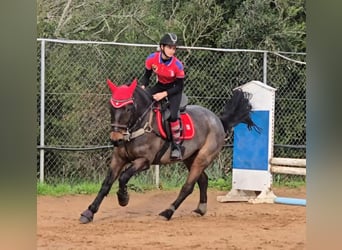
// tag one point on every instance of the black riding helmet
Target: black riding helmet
(169, 39)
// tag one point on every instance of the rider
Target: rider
(170, 83)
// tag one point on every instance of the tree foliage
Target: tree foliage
(268, 25)
(276, 25)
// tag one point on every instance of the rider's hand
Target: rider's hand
(160, 95)
(143, 86)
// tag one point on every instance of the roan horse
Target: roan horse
(137, 141)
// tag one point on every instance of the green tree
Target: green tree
(268, 25)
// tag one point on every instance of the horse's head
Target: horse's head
(128, 107)
(122, 108)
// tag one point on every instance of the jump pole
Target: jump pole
(290, 201)
(253, 151)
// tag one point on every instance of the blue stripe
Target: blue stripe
(151, 55)
(179, 65)
(250, 147)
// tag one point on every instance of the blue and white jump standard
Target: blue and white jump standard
(252, 151)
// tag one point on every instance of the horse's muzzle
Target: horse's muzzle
(116, 136)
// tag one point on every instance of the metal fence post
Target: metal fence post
(264, 78)
(42, 109)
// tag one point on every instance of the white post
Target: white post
(157, 175)
(42, 110)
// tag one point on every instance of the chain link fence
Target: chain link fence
(72, 103)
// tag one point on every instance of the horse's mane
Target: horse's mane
(140, 92)
(142, 101)
(145, 94)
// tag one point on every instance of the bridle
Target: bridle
(136, 129)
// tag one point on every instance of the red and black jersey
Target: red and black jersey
(166, 72)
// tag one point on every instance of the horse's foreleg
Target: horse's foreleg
(137, 166)
(122, 193)
(203, 187)
(88, 215)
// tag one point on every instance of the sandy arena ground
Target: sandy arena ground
(137, 226)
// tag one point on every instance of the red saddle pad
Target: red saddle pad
(188, 129)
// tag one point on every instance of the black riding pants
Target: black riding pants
(174, 99)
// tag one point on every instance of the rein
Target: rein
(149, 108)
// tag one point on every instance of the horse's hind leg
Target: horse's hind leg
(88, 215)
(194, 174)
(186, 190)
(203, 187)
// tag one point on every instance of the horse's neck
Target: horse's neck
(143, 103)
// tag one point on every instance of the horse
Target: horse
(138, 143)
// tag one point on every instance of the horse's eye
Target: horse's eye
(128, 108)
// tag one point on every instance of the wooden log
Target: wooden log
(288, 170)
(289, 162)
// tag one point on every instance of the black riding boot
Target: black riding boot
(176, 153)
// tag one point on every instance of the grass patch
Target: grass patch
(220, 184)
(65, 188)
(93, 188)
(145, 183)
(291, 181)
(85, 188)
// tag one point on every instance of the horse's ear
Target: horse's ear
(111, 85)
(134, 83)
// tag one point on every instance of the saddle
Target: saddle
(163, 113)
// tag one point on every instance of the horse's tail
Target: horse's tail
(238, 110)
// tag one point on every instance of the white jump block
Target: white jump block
(252, 151)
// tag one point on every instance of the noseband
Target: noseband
(116, 127)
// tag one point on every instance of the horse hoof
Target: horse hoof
(199, 211)
(123, 198)
(86, 217)
(167, 214)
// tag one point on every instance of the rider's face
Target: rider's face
(169, 50)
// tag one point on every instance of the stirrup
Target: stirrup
(176, 153)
